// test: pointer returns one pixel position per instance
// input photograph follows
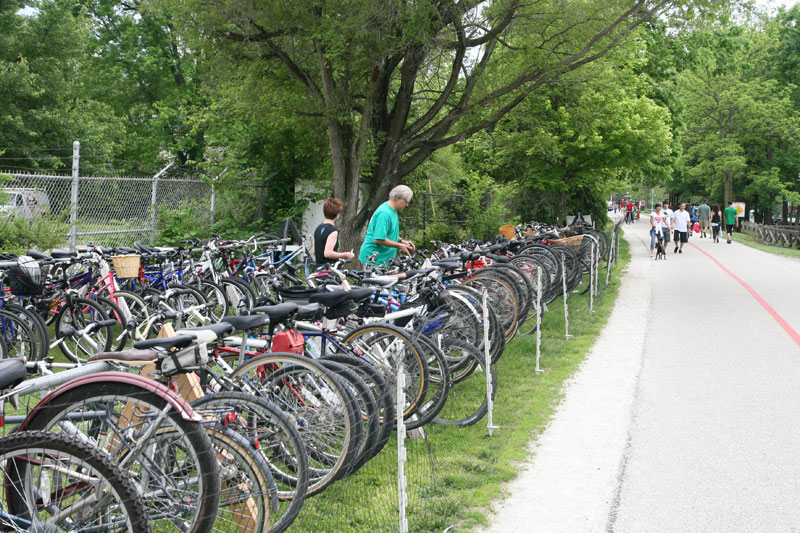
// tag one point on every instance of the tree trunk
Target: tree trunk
(728, 188)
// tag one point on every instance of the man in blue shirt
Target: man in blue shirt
(384, 229)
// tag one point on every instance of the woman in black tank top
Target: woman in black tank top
(326, 236)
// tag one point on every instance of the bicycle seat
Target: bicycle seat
(38, 255)
(145, 248)
(380, 282)
(208, 333)
(331, 299)
(245, 323)
(468, 256)
(167, 343)
(447, 266)
(12, 373)
(128, 357)
(309, 312)
(277, 313)
(359, 294)
(63, 254)
(127, 250)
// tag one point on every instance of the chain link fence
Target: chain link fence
(119, 210)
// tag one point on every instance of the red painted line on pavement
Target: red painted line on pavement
(778, 318)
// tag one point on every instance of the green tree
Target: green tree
(394, 81)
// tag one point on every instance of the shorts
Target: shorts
(682, 236)
(666, 234)
(704, 224)
(729, 228)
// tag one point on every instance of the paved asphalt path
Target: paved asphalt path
(686, 414)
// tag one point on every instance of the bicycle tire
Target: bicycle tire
(66, 457)
(277, 439)
(78, 411)
(460, 409)
(68, 315)
(19, 338)
(325, 460)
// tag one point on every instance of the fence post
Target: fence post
(566, 307)
(488, 359)
(538, 318)
(153, 198)
(73, 200)
(402, 498)
(425, 199)
(214, 194)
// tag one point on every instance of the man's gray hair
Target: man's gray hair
(401, 192)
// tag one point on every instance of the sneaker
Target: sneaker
(680, 251)
(729, 241)
(675, 251)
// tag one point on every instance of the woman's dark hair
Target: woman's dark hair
(657, 205)
(332, 208)
(715, 208)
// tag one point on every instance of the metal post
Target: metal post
(591, 278)
(402, 499)
(566, 307)
(538, 317)
(153, 198)
(488, 358)
(214, 195)
(425, 199)
(73, 201)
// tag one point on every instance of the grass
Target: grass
(454, 473)
(753, 242)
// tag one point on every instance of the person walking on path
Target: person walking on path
(704, 214)
(326, 237)
(656, 227)
(667, 222)
(715, 222)
(730, 220)
(629, 212)
(383, 230)
(680, 221)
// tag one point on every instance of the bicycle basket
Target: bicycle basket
(26, 277)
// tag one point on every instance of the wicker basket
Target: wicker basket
(126, 266)
(573, 242)
(508, 231)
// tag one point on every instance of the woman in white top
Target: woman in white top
(656, 227)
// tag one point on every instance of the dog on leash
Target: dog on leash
(660, 253)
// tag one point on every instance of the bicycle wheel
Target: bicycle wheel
(367, 414)
(169, 458)
(17, 335)
(502, 298)
(277, 439)
(189, 305)
(439, 383)
(114, 312)
(323, 410)
(214, 295)
(75, 316)
(467, 402)
(247, 492)
(389, 348)
(386, 404)
(38, 327)
(57, 483)
(240, 299)
(135, 312)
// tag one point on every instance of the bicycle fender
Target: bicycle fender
(180, 405)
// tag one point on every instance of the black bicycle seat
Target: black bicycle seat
(219, 329)
(331, 299)
(276, 313)
(12, 373)
(359, 294)
(447, 265)
(246, 323)
(63, 254)
(167, 343)
(38, 255)
(309, 312)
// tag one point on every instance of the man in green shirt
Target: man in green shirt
(384, 229)
(704, 214)
(730, 219)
